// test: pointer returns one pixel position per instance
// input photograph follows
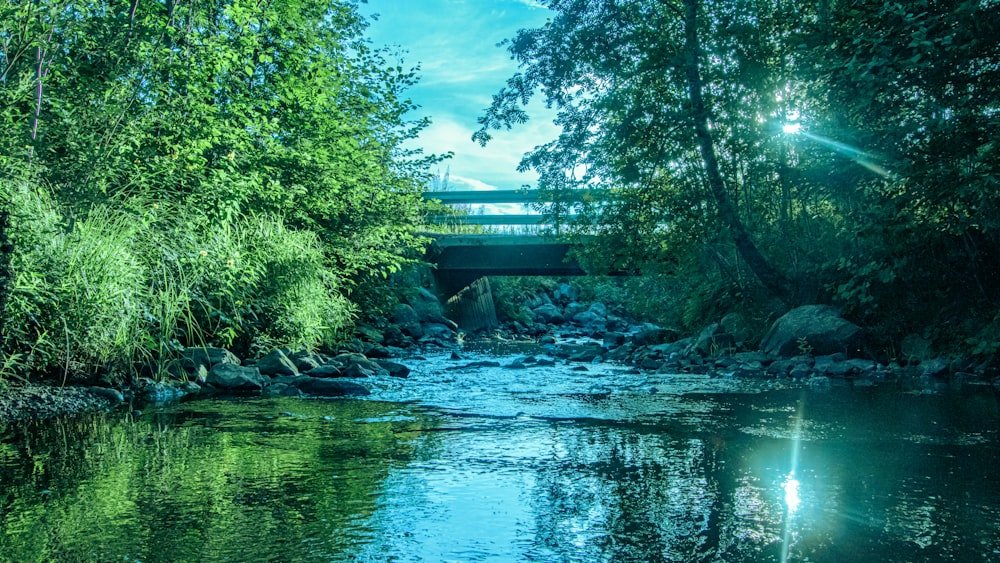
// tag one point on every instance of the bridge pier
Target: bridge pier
(473, 307)
(464, 262)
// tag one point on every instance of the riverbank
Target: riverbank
(21, 402)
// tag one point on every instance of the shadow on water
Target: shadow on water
(539, 464)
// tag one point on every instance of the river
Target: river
(540, 464)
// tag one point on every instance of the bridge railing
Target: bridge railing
(494, 197)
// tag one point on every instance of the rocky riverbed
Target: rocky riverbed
(810, 344)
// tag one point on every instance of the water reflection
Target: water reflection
(533, 465)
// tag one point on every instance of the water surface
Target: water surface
(537, 464)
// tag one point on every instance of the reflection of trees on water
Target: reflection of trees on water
(236, 482)
(875, 483)
(627, 493)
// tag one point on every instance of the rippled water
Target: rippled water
(537, 464)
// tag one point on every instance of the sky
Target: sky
(455, 44)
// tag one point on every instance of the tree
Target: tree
(627, 78)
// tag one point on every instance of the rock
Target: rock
(190, 388)
(395, 337)
(438, 331)
(236, 378)
(938, 367)
(277, 363)
(653, 336)
(370, 334)
(357, 365)
(751, 357)
(305, 360)
(616, 324)
(613, 339)
(588, 319)
(800, 371)
(599, 309)
(394, 369)
(408, 320)
(846, 368)
(354, 346)
(549, 314)
(565, 294)
(326, 371)
(781, 367)
(818, 382)
(281, 390)
(812, 329)
(377, 351)
(481, 364)
(320, 387)
(651, 364)
(191, 358)
(426, 305)
(113, 395)
(713, 340)
(157, 391)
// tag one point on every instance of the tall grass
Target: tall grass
(131, 283)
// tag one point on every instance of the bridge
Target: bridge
(464, 261)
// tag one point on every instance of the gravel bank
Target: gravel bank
(29, 401)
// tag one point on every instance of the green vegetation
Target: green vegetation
(213, 480)
(196, 174)
(767, 152)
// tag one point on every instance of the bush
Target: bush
(135, 283)
(76, 300)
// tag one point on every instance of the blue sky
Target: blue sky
(461, 67)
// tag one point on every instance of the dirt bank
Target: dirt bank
(30, 401)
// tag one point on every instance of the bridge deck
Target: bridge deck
(462, 259)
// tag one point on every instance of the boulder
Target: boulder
(613, 339)
(305, 361)
(319, 387)
(565, 294)
(549, 314)
(325, 371)
(369, 334)
(357, 365)
(937, 367)
(157, 391)
(276, 363)
(236, 378)
(599, 309)
(813, 329)
(426, 305)
(191, 358)
(653, 336)
(394, 369)
(439, 331)
(408, 320)
(588, 319)
(112, 395)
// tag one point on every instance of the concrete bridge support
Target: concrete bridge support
(473, 307)
(464, 262)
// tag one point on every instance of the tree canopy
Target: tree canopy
(839, 151)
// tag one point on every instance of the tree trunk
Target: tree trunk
(772, 280)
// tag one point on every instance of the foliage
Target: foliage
(212, 173)
(884, 202)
